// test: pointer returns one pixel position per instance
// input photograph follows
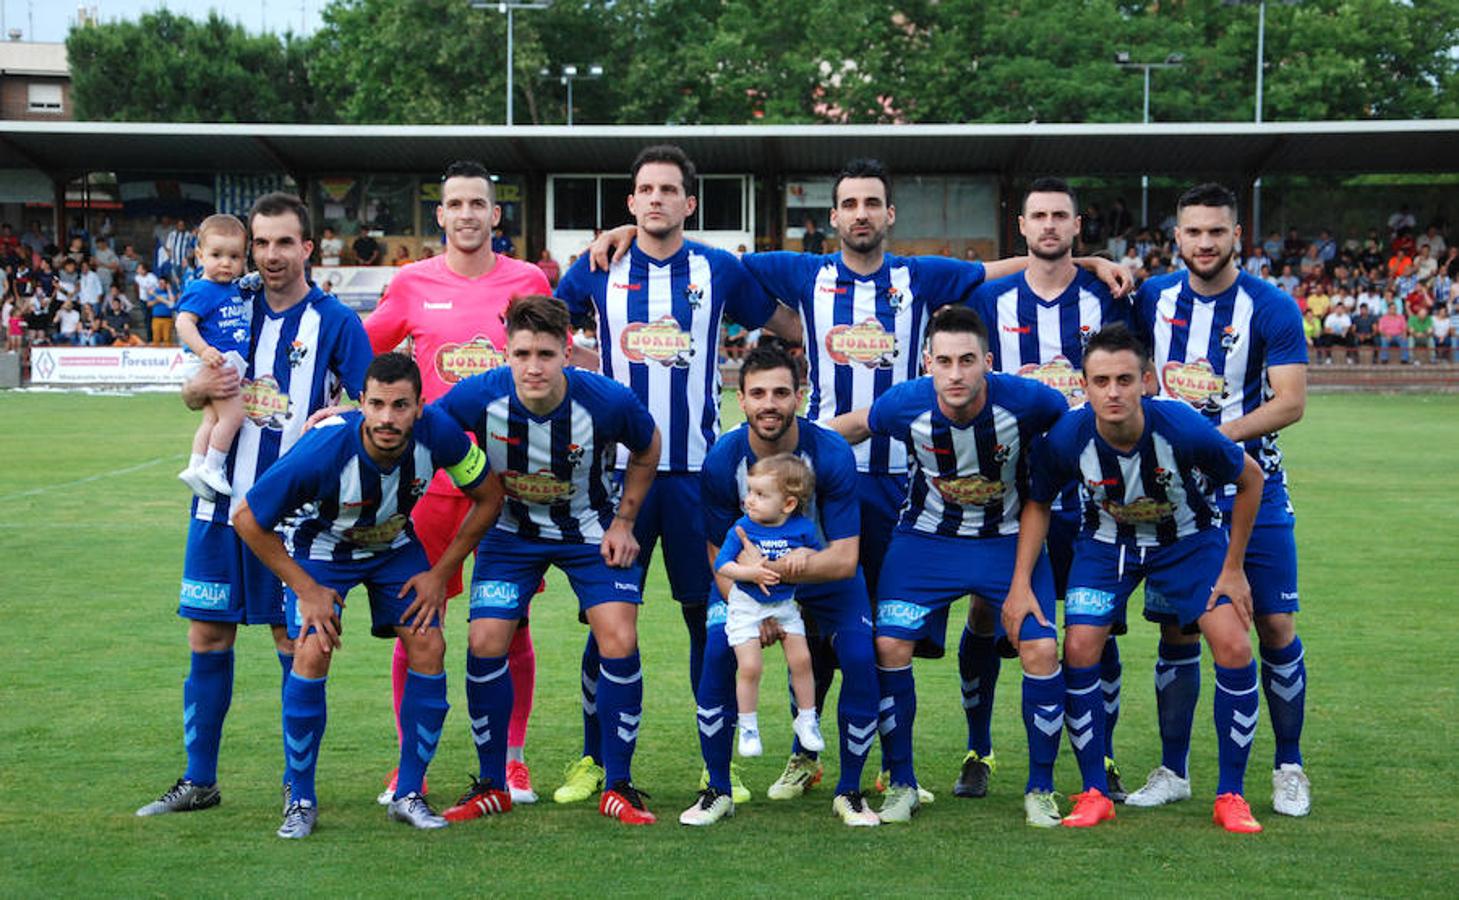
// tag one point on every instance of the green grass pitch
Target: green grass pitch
(91, 528)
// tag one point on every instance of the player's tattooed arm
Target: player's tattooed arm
(620, 547)
(1232, 580)
(609, 247)
(853, 426)
(1033, 528)
(211, 383)
(430, 586)
(316, 603)
(1286, 406)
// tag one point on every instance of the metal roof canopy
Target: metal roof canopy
(67, 149)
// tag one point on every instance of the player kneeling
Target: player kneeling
(1145, 466)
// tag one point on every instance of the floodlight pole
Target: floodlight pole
(508, 7)
(1173, 61)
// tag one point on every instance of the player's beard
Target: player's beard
(1212, 271)
(771, 437)
(1058, 253)
(400, 436)
(863, 243)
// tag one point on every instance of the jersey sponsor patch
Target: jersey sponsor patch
(1060, 375)
(971, 490)
(264, 403)
(378, 534)
(1195, 382)
(536, 487)
(1144, 511)
(662, 341)
(900, 614)
(214, 595)
(457, 361)
(493, 594)
(1086, 601)
(866, 343)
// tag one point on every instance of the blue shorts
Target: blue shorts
(509, 569)
(1271, 554)
(382, 575)
(671, 512)
(925, 573)
(881, 498)
(222, 581)
(1178, 579)
(830, 608)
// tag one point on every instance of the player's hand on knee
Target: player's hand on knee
(1017, 606)
(771, 632)
(429, 602)
(317, 610)
(1233, 584)
(321, 415)
(620, 547)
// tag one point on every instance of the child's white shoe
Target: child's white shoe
(750, 742)
(808, 731)
(217, 480)
(192, 476)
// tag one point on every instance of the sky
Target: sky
(50, 20)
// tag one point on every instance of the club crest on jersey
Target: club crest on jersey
(418, 486)
(574, 455)
(896, 299)
(662, 341)
(542, 487)
(298, 350)
(1163, 476)
(695, 295)
(1085, 333)
(1144, 511)
(264, 404)
(455, 362)
(970, 490)
(1058, 374)
(378, 534)
(1001, 452)
(866, 342)
(1196, 383)
(1229, 338)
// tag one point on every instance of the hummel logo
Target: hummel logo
(429, 305)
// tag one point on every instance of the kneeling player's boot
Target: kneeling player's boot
(481, 799)
(392, 782)
(1234, 814)
(413, 810)
(624, 802)
(711, 806)
(738, 791)
(299, 820)
(884, 780)
(185, 796)
(1090, 808)
(801, 774)
(901, 803)
(519, 782)
(1291, 791)
(972, 781)
(1117, 791)
(581, 780)
(1041, 810)
(1162, 787)
(852, 809)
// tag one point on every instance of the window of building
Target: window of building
(588, 202)
(44, 98)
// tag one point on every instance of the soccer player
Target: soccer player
(966, 433)
(1038, 321)
(1232, 347)
(346, 490)
(452, 307)
(552, 432)
(1143, 465)
(831, 590)
(306, 346)
(658, 311)
(864, 313)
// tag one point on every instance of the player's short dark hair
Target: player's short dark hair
(792, 476)
(277, 203)
(958, 320)
(862, 167)
(1116, 337)
(1209, 194)
(766, 357)
(674, 156)
(223, 224)
(392, 367)
(538, 314)
(470, 168)
(1049, 184)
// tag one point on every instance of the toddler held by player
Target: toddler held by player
(213, 320)
(779, 487)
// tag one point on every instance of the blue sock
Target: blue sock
(978, 665)
(856, 708)
(1111, 671)
(1177, 688)
(620, 696)
(1284, 680)
(898, 712)
(1043, 720)
(423, 709)
(1084, 716)
(695, 615)
(592, 734)
(715, 710)
(206, 695)
(304, 721)
(489, 704)
(1237, 707)
(286, 664)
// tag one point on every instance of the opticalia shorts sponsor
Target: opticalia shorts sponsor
(500, 594)
(205, 594)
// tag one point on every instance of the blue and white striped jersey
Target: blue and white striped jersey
(863, 334)
(1153, 495)
(1214, 352)
(658, 329)
(340, 505)
(299, 361)
(966, 480)
(557, 469)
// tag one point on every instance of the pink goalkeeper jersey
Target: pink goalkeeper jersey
(456, 324)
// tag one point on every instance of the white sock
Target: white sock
(514, 754)
(215, 459)
(195, 461)
(749, 721)
(808, 715)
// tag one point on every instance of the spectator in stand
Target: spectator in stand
(1392, 332)
(67, 322)
(1434, 241)
(1418, 299)
(1371, 256)
(9, 242)
(88, 327)
(1399, 264)
(1401, 221)
(1311, 327)
(179, 243)
(1337, 331)
(89, 289)
(192, 270)
(1293, 247)
(105, 263)
(813, 241)
(402, 256)
(1443, 334)
(501, 242)
(1272, 246)
(1266, 275)
(1365, 330)
(148, 286)
(1257, 261)
(1310, 264)
(1421, 333)
(116, 322)
(1131, 260)
(38, 320)
(1326, 248)
(14, 325)
(45, 278)
(1156, 264)
(1424, 265)
(549, 267)
(367, 250)
(35, 240)
(1288, 280)
(331, 247)
(1120, 223)
(127, 265)
(1318, 300)
(1450, 265)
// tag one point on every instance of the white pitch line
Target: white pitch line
(33, 492)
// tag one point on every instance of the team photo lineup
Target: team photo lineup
(1033, 433)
